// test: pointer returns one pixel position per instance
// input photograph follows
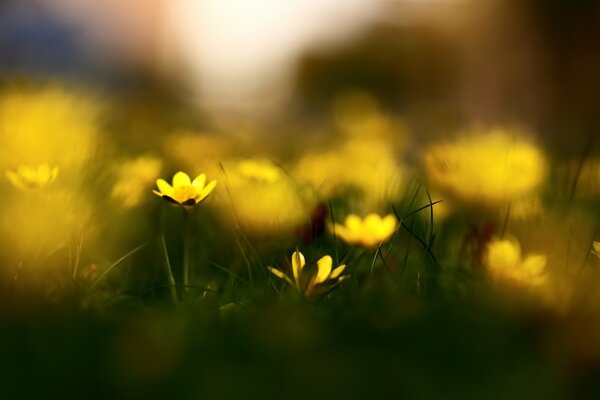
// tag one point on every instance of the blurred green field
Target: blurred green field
(381, 346)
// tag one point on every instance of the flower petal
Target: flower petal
(181, 179)
(534, 264)
(337, 272)
(387, 227)
(353, 222)
(344, 233)
(324, 269)
(164, 187)
(206, 191)
(280, 275)
(298, 263)
(199, 181)
(503, 255)
(14, 179)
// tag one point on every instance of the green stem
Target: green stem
(170, 276)
(187, 233)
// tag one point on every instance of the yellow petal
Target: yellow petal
(181, 179)
(339, 229)
(14, 179)
(372, 220)
(279, 274)
(380, 229)
(503, 255)
(297, 264)
(23, 170)
(345, 234)
(164, 187)
(199, 181)
(206, 191)
(534, 264)
(324, 269)
(389, 225)
(337, 272)
(353, 222)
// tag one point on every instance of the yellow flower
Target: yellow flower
(48, 124)
(27, 177)
(505, 263)
(368, 232)
(261, 201)
(367, 167)
(491, 168)
(185, 192)
(307, 284)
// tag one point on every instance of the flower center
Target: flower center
(182, 194)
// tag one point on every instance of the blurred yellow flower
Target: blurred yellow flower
(133, 179)
(261, 200)
(46, 224)
(505, 263)
(184, 191)
(488, 168)
(368, 232)
(363, 161)
(49, 125)
(365, 165)
(308, 284)
(260, 170)
(27, 177)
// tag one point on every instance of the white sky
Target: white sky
(238, 51)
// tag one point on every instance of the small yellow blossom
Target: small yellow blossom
(368, 232)
(184, 191)
(505, 263)
(27, 177)
(308, 284)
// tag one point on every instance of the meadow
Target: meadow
(149, 252)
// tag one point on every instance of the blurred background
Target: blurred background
(439, 63)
